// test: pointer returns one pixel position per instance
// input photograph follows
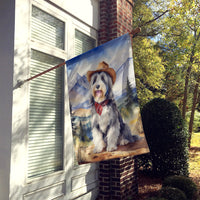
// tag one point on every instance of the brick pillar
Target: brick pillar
(117, 177)
(115, 19)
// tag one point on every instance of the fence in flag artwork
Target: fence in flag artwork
(105, 113)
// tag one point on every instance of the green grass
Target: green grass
(195, 141)
(194, 160)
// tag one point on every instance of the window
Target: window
(47, 29)
(46, 104)
(83, 42)
(45, 139)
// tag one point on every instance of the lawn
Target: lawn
(194, 160)
(195, 142)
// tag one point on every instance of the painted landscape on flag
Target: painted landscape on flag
(105, 114)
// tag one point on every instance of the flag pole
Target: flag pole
(20, 83)
(133, 33)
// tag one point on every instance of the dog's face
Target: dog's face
(101, 85)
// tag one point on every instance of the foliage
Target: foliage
(175, 26)
(149, 67)
(171, 193)
(167, 136)
(144, 162)
(182, 40)
(183, 183)
(174, 73)
(156, 198)
(148, 15)
(149, 70)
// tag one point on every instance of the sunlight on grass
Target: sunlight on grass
(195, 141)
(194, 161)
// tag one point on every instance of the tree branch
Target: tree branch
(150, 21)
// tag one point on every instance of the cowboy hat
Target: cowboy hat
(103, 67)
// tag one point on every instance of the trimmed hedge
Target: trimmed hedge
(171, 193)
(167, 138)
(156, 198)
(183, 183)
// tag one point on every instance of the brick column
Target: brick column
(117, 177)
(115, 19)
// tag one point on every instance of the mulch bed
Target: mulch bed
(148, 186)
(195, 172)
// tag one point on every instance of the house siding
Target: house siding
(71, 182)
(6, 88)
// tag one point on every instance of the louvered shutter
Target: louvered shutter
(45, 144)
(46, 28)
(45, 134)
(83, 42)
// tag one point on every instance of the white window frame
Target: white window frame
(56, 52)
(23, 45)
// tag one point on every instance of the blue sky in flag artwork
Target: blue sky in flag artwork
(116, 54)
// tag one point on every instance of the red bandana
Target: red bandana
(99, 106)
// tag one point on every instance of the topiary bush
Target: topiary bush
(167, 137)
(183, 183)
(144, 163)
(171, 193)
(156, 198)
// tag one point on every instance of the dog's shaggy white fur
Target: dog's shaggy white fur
(108, 128)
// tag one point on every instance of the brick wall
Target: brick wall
(115, 19)
(117, 177)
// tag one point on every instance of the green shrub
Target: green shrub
(167, 138)
(156, 198)
(144, 163)
(171, 193)
(183, 183)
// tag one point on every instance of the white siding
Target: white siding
(87, 11)
(6, 88)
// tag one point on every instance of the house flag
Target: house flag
(105, 113)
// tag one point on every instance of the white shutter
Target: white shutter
(45, 141)
(83, 42)
(46, 28)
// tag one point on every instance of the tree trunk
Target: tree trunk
(193, 109)
(198, 99)
(188, 74)
(185, 91)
